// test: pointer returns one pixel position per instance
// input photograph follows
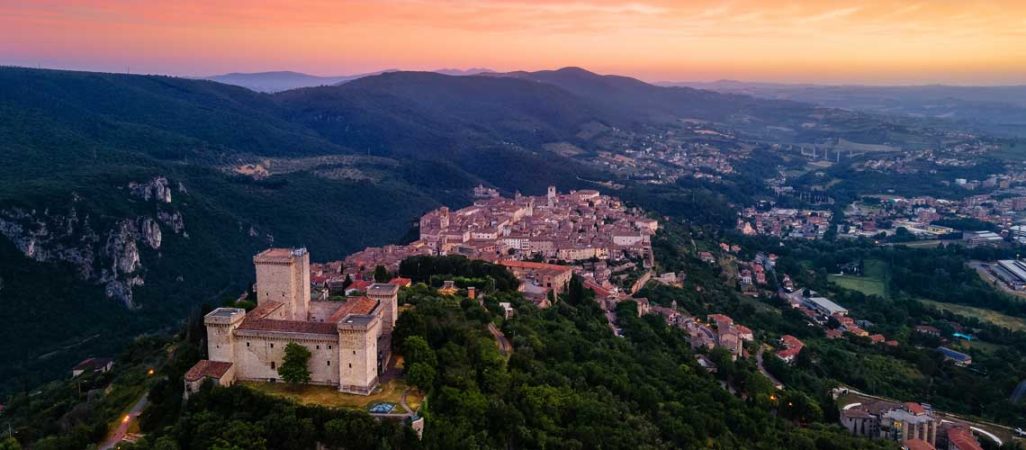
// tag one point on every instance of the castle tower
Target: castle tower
(443, 217)
(358, 353)
(552, 196)
(221, 324)
(283, 275)
(388, 297)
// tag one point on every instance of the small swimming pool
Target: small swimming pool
(967, 337)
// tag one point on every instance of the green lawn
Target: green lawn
(994, 317)
(390, 392)
(873, 282)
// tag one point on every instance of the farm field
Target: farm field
(994, 317)
(873, 282)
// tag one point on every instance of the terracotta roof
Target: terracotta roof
(288, 326)
(355, 305)
(206, 368)
(400, 281)
(915, 408)
(917, 444)
(535, 265)
(264, 310)
(961, 438)
(92, 363)
(720, 318)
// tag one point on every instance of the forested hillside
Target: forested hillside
(137, 198)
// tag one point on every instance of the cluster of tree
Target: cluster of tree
(570, 383)
(243, 419)
(425, 269)
(73, 414)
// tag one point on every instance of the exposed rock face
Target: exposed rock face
(173, 220)
(150, 232)
(157, 189)
(111, 257)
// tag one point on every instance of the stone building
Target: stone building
(349, 341)
(893, 421)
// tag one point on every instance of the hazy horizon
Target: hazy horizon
(876, 42)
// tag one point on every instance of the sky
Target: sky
(813, 41)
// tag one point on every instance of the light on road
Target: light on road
(126, 419)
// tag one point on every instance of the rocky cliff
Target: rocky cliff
(108, 251)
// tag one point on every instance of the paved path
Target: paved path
(758, 362)
(504, 345)
(125, 422)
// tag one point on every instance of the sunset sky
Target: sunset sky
(826, 41)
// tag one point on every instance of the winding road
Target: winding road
(762, 369)
(126, 421)
(505, 347)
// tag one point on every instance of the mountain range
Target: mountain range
(278, 81)
(999, 110)
(129, 200)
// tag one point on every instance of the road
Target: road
(504, 345)
(758, 362)
(126, 422)
(995, 432)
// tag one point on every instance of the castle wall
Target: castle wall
(256, 351)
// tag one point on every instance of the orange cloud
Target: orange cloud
(873, 41)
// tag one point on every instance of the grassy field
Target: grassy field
(390, 392)
(994, 317)
(873, 282)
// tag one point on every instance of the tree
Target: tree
(9, 443)
(381, 274)
(294, 368)
(416, 350)
(421, 375)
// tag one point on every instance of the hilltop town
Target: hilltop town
(594, 235)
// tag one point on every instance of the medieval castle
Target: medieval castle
(349, 341)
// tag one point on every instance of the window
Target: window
(318, 347)
(329, 363)
(354, 352)
(329, 347)
(350, 365)
(272, 364)
(247, 344)
(272, 345)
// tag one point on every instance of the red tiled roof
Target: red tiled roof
(400, 281)
(961, 438)
(535, 266)
(790, 341)
(917, 444)
(355, 305)
(206, 368)
(789, 353)
(92, 363)
(915, 408)
(264, 310)
(288, 326)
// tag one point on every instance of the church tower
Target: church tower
(552, 196)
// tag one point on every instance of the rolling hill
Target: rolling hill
(127, 201)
